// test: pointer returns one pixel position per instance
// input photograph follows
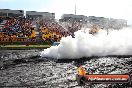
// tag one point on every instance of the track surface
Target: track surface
(25, 69)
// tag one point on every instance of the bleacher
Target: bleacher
(25, 29)
(51, 31)
(21, 29)
(16, 29)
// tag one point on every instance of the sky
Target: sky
(118, 9)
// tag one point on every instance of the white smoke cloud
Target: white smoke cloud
(117, 42)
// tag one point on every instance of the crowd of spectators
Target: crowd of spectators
(49, 30)
(52, 31)
(73, 26)
(11, 27)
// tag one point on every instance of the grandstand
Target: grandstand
(52, 31)
(11, 13)
(41, 27)
(73, 22)
(18, 28)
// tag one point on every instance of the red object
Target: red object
(102, 78)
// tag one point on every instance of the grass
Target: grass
(23, 47)
(24, 43)
(26, 46)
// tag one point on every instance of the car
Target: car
(55, 43)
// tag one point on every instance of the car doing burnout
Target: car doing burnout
(55, 43)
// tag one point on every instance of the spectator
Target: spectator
(19, 27)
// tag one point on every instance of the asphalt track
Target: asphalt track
(25, 68)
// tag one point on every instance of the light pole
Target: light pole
(75, 6)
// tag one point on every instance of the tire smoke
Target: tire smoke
(117, 42)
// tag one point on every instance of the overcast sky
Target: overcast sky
(120, 9)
